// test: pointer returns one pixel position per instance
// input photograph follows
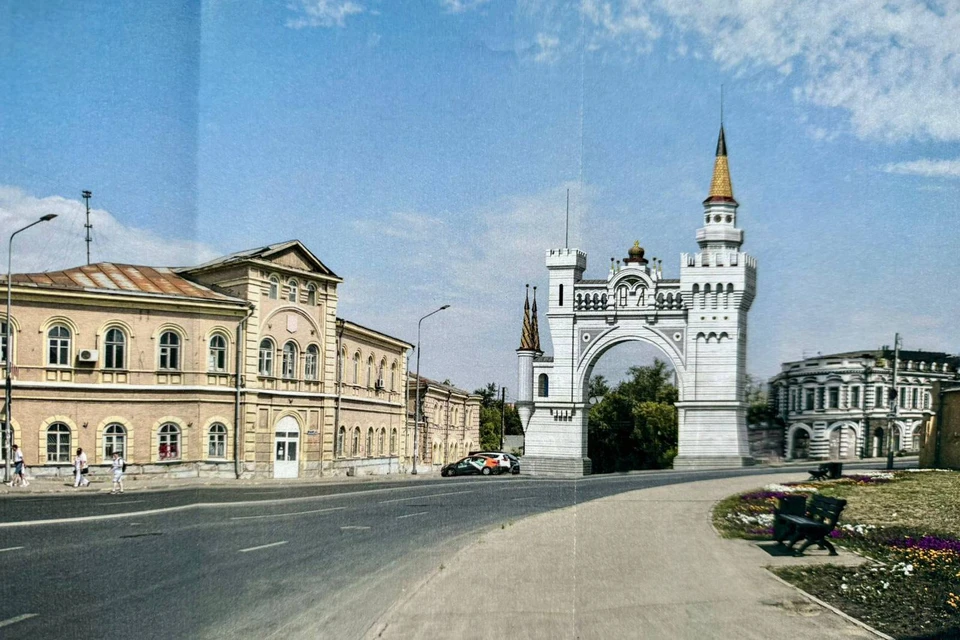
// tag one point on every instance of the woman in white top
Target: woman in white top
(80, 469)
(117, 467)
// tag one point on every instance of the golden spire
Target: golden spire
(721, 189)
(535, 325)
(526, 337)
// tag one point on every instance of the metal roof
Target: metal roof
(120, 278)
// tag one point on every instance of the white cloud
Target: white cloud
(59, 243)
(548, 48)
(460, 6)
(893, 67)
(323, 13)
(926, 167)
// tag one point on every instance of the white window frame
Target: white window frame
(217, 441)
(274, 291)
(59, 346)
(217, 353)
(265, 358)
(169, 434)
(115, 351)
(169, 353)
(293, 290)
(61, 443)
(288, 368)
(312, 294)
(311, 361)
(112, 434)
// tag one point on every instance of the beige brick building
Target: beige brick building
(144, 360)
(449, 423)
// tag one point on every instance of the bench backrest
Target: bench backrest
(825, 510)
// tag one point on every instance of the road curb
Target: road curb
(846, 616)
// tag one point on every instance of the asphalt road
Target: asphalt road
(308, 561)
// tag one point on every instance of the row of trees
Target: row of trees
(490, 418)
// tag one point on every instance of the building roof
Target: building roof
(359, 328)
(888, 353)
(433, 383)
(265, 253)
(721, 187)
(107, 277)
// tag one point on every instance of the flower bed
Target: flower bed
(908, 522)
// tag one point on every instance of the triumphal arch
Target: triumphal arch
(698, 321)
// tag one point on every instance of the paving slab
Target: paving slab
(643, 564)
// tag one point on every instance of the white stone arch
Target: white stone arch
(791, 433)
(842, 424)
(610, 338)
(290, 308)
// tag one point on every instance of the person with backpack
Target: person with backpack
(81, 469)
(119, 466)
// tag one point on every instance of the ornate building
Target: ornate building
(838, 406)
(233, 367)
(698, 320)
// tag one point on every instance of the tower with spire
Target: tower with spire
(698, 321)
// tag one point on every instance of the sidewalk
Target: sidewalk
(644, 564)
(100, 482)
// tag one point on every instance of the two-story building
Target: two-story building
(226, 368)
(449, 421)
(839, 405)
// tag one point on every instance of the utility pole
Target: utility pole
(503, 406)
(86, 197)
(894, 401)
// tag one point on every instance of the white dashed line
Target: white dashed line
(110, 504)
(281, 515)
(431, 495)
(264, 546)
(10, 549)
(353, 527)
(410, 515)
(10, 621)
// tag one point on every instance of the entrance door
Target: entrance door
(286, 448)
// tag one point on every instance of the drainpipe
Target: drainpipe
(336, 409)
(236, 404)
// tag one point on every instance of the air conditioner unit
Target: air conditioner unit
(379, 385)
(88, 355)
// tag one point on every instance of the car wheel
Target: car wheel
(516, 471)
(444, 473)
(485, 471)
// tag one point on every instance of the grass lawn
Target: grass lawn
(908, 522)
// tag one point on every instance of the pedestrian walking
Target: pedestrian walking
(81, 469)
(18, 477)
(118, 468)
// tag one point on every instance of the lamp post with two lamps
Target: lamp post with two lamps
(416, 422)
(8, 351)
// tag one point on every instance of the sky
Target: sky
(423, 151)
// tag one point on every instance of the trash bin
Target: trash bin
(834, 470)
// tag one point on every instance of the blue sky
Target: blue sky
(423, 151)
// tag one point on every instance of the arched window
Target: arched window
(382, 442)
(58, 442)
(4, 454)
(341, 365)
(217, 358)
(3, 343)
(311, 294)
(341, 436)
(369, 450)
(393, 441)
(217, 441)
(114, 349)
(356, 368)
(114, 439)
(393, 376)
(543, 386)
(274, 288)
(265, 365)
(289, 360)
(293, 290)
(169, 350)
(58, 346)
(310, 363)
(381, 380)
(355, 449)
(369, 372)
(168, 442)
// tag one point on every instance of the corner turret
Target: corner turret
(720, 232)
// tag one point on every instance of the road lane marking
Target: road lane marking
(353, 527)
(527, 498)
(105, 504)
(21, 618)
(432, 495)
(10, 549)
(281, 515)
(264, 546)
(410, 515)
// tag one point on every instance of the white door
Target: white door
(286, 448)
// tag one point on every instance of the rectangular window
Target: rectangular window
(903, 397)
(821, 392)
(878, 398)
(808, 400)
(834, 397)
(855, 397)
(916, 398)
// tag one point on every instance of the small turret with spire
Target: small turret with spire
(535, 327)
(527, 342)
(719, 231)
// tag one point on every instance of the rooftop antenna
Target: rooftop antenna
(566, 230)
(721, 105)
(86, 196)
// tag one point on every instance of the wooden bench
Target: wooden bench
(832, 470)
(814, 524)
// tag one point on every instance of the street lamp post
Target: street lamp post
(416, 422)
(8, 355)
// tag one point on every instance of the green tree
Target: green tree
(635, 425)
